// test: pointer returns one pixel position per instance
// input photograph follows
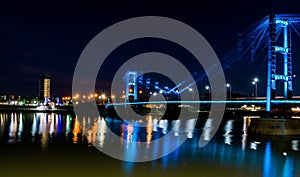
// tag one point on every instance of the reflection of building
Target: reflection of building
(45, 86)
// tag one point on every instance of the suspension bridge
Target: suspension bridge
(270, 39)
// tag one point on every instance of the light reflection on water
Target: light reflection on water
(231, 146)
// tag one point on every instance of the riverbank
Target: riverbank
(171, 112)
(274, 126)
(16, 108)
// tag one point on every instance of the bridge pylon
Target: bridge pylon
(275, 23)
(131, 86)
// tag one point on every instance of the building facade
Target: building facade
(45, 86)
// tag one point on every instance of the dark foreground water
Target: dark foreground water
(50, 144)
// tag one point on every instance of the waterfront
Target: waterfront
(51, 144)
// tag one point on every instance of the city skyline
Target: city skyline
(51, 43)
(147, 88)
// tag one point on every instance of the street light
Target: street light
(207, 88)
(191, 92)
(254, 82)
(229, 86)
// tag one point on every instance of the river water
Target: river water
(52, 144)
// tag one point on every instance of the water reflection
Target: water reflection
(288, 169)
(13, 128)
(163, 124)
(2, 124)
(76, 131)
(267, 161)
(20, 129)
(244, 135)
(295, 145)
(228, 129)
(265, 156)
(190, 124)
(42, 127)
(149, 130)
(68, 124)
(208, 130)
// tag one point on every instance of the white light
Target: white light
(227, 85)
(284, 154)
(160, 91)
(190, 89)
(253, 83)
(295, 145)
(154, 93)
(255, 79)
(284, 23)
(253, 146)
(207, 87)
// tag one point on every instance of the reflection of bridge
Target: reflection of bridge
(274, 33)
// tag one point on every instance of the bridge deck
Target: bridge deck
(210, 102)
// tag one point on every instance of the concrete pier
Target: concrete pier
(273, 126)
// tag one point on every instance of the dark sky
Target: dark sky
(47, 38)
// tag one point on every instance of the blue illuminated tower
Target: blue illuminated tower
(131, 85)
(275, 23)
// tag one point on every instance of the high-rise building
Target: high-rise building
(45, 86)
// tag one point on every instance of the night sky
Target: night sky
(47, 38)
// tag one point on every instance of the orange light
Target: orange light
(130, 129)
(140, 92)
(130, 90)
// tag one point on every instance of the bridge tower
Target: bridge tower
(275, 23)
(131, 85)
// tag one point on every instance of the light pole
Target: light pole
(191, 92)
(207, 88)
(254, 82)
(229, 86)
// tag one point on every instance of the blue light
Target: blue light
(282, 22)
(59, 124)
(287, 59)
(281, 77)
(267, 161)
(283, 50)
(288, 169)
(210, 102)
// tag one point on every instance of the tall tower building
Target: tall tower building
(45, 86)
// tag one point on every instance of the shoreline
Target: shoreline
(110, 111)
(14, 108)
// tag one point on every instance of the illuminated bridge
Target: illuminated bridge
(273, 34)
(240, 101)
